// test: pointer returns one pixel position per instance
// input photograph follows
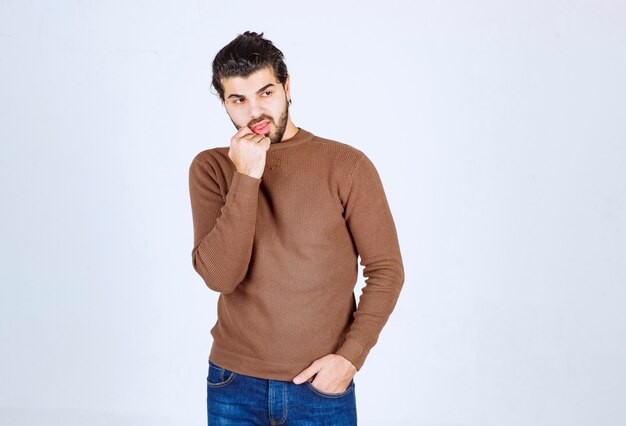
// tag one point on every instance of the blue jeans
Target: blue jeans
(237, 399)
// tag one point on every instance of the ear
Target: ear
(287, 86)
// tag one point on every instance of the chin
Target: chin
(272, 138)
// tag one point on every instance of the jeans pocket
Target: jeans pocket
(219, 376)
(331, 394)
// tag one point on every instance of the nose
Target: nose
(255, 109)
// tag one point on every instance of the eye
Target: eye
(237, 100)
(267, 92)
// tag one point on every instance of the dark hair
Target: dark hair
(247, 53)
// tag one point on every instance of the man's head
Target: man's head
(251, 78)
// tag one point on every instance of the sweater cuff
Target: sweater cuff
(353, 352)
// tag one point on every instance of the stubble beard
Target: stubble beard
(282, 126)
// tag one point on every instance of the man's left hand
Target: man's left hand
(333, 373)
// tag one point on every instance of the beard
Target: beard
(277, 136)
(281, 127)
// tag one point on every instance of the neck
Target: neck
(290, 131)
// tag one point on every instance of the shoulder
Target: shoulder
(211, 167)
(343, 153)
(337, 146)
(215, 158)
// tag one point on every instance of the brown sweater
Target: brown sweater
(282, 252)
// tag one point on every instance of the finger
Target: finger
(305, 374)
(253, 138)
(261, 139)
(244, 131)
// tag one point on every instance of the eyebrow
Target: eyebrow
(262, 89)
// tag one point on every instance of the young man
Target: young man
(279, 218)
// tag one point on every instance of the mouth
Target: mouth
(262, 127)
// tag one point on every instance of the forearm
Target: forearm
(376, 303)
(222, 256)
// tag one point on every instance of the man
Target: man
(279, 218)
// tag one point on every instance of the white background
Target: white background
(498, 129)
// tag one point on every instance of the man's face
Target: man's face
(257, 100)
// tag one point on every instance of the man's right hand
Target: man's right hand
(247, 151)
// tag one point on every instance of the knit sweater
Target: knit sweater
(282, 251)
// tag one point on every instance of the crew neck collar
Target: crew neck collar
(300, 137)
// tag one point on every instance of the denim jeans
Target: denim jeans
(237, 399)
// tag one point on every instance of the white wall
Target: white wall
(498, 129)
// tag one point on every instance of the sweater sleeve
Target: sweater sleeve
(224, 226)
(373, 230)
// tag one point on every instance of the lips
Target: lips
(262, 127)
